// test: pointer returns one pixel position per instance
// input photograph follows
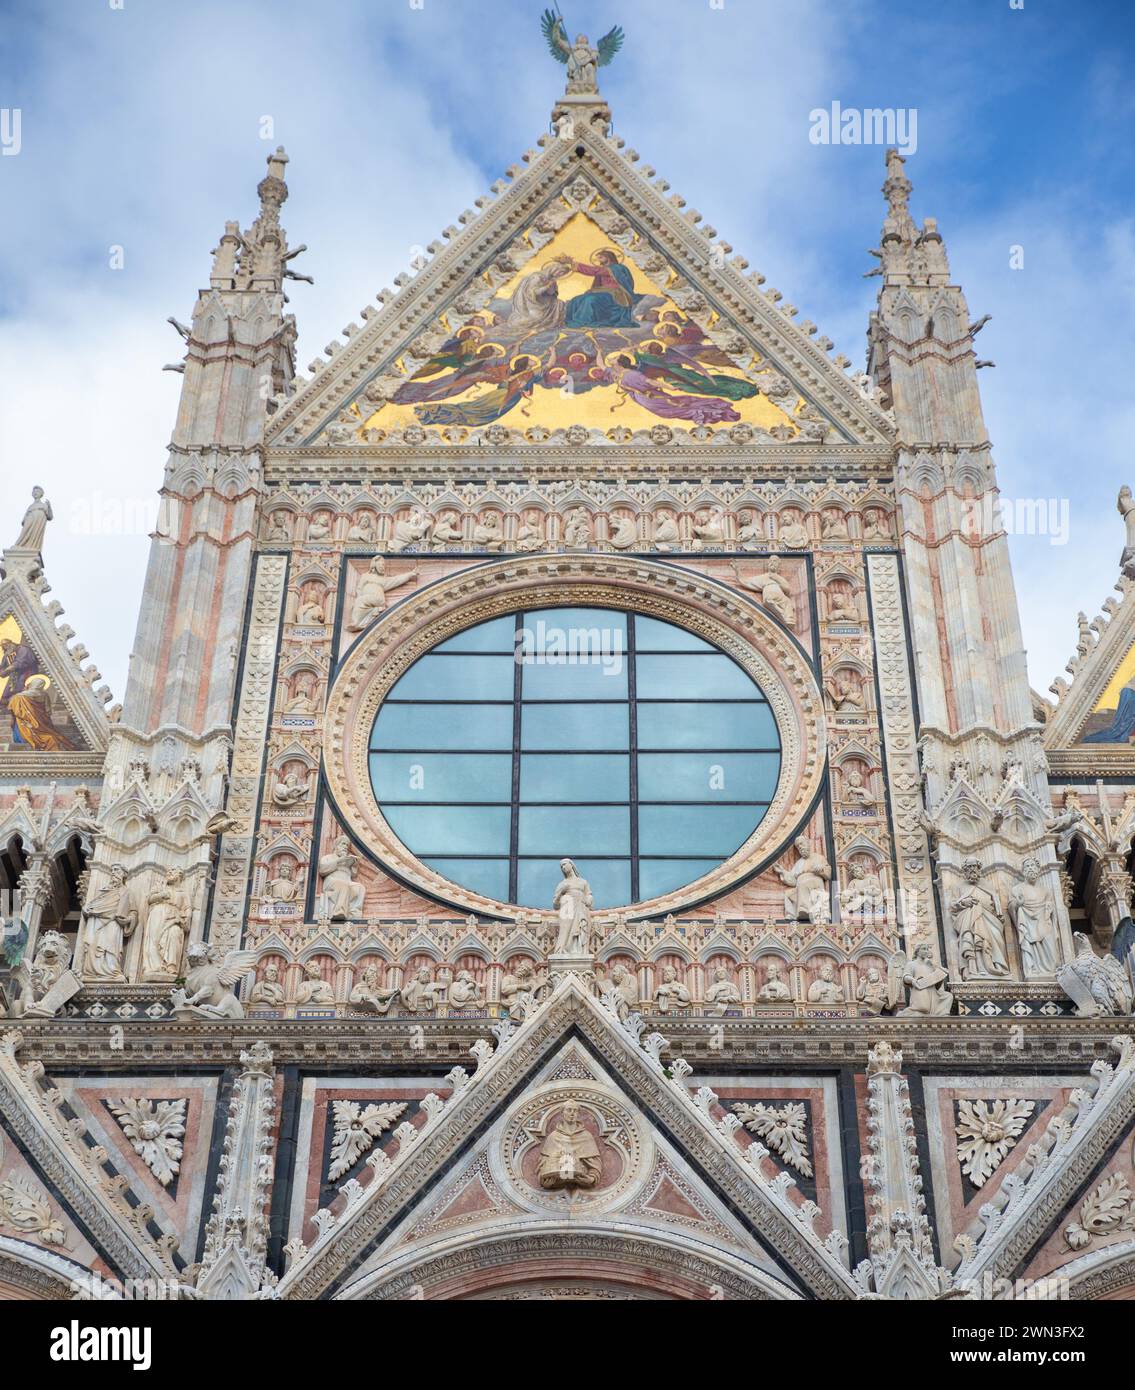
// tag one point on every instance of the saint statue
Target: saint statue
(771, 590)
(774, 990)
(807, 881)
(581, 60)
(370, 597)
(167, 924)
(35, 522)
(722, 992)
(569, 1156)
(573, 899)
(268, 992)
(111, 919)
(929, 997)
(981, 931)
(341, 898)
(1034, 917)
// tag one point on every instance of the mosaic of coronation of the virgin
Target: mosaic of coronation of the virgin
(578, 824)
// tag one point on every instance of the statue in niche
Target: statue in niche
(623, 532)
(875, 527)
(313, 988)
(409, 530)
(771, 590)
(855, 789)
(671, 993)
(465, 991)
(282, 887)
(278, 531)
(444, 532)
(370, 597)
(872, 990)
(111, 918)
(750, 533)
(530, 535)
(341, 898)
(833, 525)
(523, 988)
(363, 529)
(319, 528)
(569, 1156)
(807, 881)
(208, 991)
(723, 992)
(980, 928)
(709, 528)
(1034, 917)
(419, 995)
(774, 990)
(268, 992)
(793, 532)
(368, 991)
(572, 899)
(863, 895)
(311, 612)
(34, 525)
(826, 989)
(623, 988)
(843, 606)
(845, 691)
(666, 534)
(929, 997)
(167, 924)
(577, 529)
(290, 789)
(488, 533)
(303, 697)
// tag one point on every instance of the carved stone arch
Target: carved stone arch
(28, 1272)
(556, 1261)
(970, 471)
(908, 319)
(1100, 1274)
(370, 950)
(945, 323)
(672, 948)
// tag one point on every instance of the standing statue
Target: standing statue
(341, 898)
(1126, 506)
(111, 918)
(573, 899)
(208, 990)
(1034, 918)
(807, 881)
(569, 1156)
(980, 928)
(167, 925)
(581, 60)
(34, 526)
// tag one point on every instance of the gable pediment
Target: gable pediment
(503, 1166)
(412, 374)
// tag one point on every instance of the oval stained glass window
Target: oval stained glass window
(626, 743)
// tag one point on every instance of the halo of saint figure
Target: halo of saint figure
(608, 335)
(27, 708)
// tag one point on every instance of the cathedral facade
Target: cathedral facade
(578, 825)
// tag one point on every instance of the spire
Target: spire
(257, 259)
(908, 255)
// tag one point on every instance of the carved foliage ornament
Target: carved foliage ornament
(155, 1129)
(783, 1129)
(24, 1208)
(1110, 1208)
(986, 1131)
(356, 1127)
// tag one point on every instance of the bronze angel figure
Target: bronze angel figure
(581, 59)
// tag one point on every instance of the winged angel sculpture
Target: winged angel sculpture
(581, 59)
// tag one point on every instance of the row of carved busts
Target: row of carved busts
(578, 527)
(669, 985)
(864, 895)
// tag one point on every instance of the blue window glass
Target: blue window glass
(623, 742)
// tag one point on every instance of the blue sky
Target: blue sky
(141, 125)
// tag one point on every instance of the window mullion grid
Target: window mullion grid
(632, 721)
(514, 823)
